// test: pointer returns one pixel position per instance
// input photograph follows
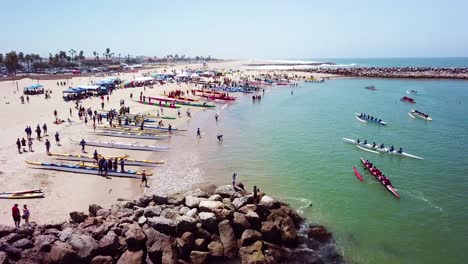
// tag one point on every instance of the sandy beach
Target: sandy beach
(65, 192)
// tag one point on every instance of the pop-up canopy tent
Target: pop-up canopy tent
(34, 89)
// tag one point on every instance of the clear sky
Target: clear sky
(238, 28)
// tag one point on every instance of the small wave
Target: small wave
(419, 195)
(306, 203)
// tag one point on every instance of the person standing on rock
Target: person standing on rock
(16, 215)
(255, 194)
(234, 176)
(144, 179)
(25, 214)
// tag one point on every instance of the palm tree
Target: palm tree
(95, 54)
(11, 62)
(81, 55)
(107, 54)
(72, 53)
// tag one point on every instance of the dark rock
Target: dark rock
(159, 199)
(144, 201)
(240, 223)
(241, 201)
(108, 244)
(62, 253)
(199, 257)
(176, 199)
(228, 238)
(135, 237)
(102, 260)
(90, 221)
(78, 217)
(209, 206)
(152, 211)
(277, 253)
(252, 254)
(93, 209)
(284, 212)
(271, 232)
(23, 243)
(319, 232)
(52, 231)
(26, 261)
(185, 244)
(170, 213)
(225, 191)
(216, 249)
(33, 254)
(163, 225)
(13, 253)
(208, 221)
(129, 204)
(253, 219)
(247, 208)
(6, 230)
(201, 244)
(131, 257)
(103, 212)
(249, 237)
(12, 238)
(44, 242)
(25, 230)
(288, 232)
(185, 224)
(222, 214)
(3, 258)
(163, 248)
(84, 245)
(100, 231)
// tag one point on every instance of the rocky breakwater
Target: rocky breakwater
(207, 225)
(395, 72)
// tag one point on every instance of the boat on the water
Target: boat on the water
(358, 175)
(408, 99)
(375, 172)
(413, 92)
(121, 145)
(382, 150)
(415, 113)
(131, 135)
(367, 118)
(128, 161)
(179, 102)
(371, 87)
(86, 170)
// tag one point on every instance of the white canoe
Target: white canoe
(120, 145)
(383, 150)
(413, 114)
(130, 135)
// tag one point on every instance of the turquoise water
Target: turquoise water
(399, 62)
(291, 147)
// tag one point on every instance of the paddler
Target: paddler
(358, 141)
(100, 165)
(392, 148)
(373, 144)
(400, 151)
(110, 164)
(23, 144)
(365, 141)
(382, 146)
(169, 128)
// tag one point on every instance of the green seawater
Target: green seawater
(291, 147)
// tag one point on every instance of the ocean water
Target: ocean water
(397, 62)
(291, 147)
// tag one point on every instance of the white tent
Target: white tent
(143, 79)
(182, 75)
(194, 75)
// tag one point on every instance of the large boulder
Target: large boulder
(135, 237)
(3, 257)
(161, 248)
(252, 254)
(78, 217)
(288, 232)
(158, 199)
(152, 211)
(241, 201)
(240, 223)
(170, 213)
(199, 193)
(102, 260)
(108, 243)
(201, 244)
(84, 245)
(209, 206)
(131, 257)
(93, 209)
(225, 191)
(63, 253)
(193, 213)
(215, 197)
(249, 237)
(269, 202)
(228, 238)
(253, 219)
(103, 213)
(319, 233)
(144, 201)
(208, 221)
(13, 253)
(216, 249)
(186, 244)
(176, 199)
(163, 225)
(6, 230)
(275, 252)
(185, 224)
(23, 243)
(192, 201)
(44, 242)
(199, 257)
(284, 212)
(271, 232)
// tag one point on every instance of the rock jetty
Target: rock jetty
(207, 225)
(394, 72)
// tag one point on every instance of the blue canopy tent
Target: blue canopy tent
(75, 93)
(34, 89)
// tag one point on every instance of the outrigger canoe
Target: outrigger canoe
(157, 104)
(129, 129)
(129, 162)
(407, 99)
(365, 120)
(121, 145)
(130, 135)
(383, 150)
(358, 175)
(419, 114)
(21, 195)
(24, 191)
(179, 102)
(86, 170)
(154, 127)
(388, 187)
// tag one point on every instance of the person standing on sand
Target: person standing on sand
(23, 144)
(102, 105)
(15, 212)
(144, 179)
(55, 114)
(57, 138)
(38, 132)
(178, 112)
(71, 112)
(27, 99)
(216, 117)
(122, 164)
(18, 144)
(25, 214)
(96, 155)
(86, 120)
(30, 145)
(115, 164)
(83, 144)
(44, 127)
(198, 133)
(47, 145)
